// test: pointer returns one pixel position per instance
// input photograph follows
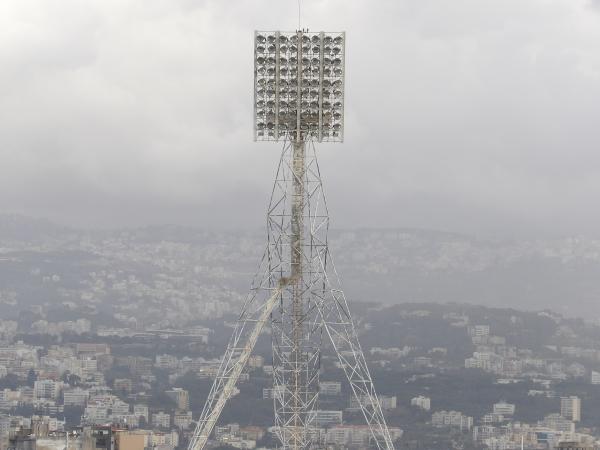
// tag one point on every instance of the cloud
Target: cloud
(467, 115)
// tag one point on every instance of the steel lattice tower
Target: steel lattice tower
(299, 95)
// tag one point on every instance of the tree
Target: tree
(71, 379)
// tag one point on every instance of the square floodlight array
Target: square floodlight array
(299, 85)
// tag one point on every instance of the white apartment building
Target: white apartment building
(120, 408)
(180, 396)
(355, 435)
(387, 402)
(504, 408)
(96, 413)
(166, 361)
(479, 330)
(559, 423)
(570, 408)
(46, 389)
(141, 411)
(161, 420)
(167, 438)
(453, 419)
(182, 419)
(421, 402)
(75, 397)
(326, 417)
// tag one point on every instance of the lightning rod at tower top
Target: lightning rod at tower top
(298, 101)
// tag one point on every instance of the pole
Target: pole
(297, 241)
(296, 275)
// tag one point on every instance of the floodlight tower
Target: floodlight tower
(298, 100)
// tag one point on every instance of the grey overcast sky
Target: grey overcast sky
(476, 116)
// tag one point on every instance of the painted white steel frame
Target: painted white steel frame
(297, 285)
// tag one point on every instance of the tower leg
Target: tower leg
(340, 328)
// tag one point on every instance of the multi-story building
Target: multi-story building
(574, 445)
(479, 330)
(504, 408)
(127, 420)
(169, 438)
(131, 440)
(486, 432)
(161, 420)
(556, 422)
(570, 408)
(182, 419)
(96, 413)
(75, 397)
(181, 398)
(92, 349)
(492, 418)
(98, 438)
(355, 435)
(421, 402)
(46, 389)
(23, 440)
(386, 402)
(252, 433)
(140, 410)
(325, 417)
(119, 407)
(488, 361)
(166, 361)
(453, 419)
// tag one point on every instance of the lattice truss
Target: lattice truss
(297, 334)
(325, 310)
(299, 95)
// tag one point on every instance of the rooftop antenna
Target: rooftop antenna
(298, 101)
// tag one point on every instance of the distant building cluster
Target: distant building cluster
(119, 367)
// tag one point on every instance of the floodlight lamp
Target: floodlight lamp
(297, 76)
